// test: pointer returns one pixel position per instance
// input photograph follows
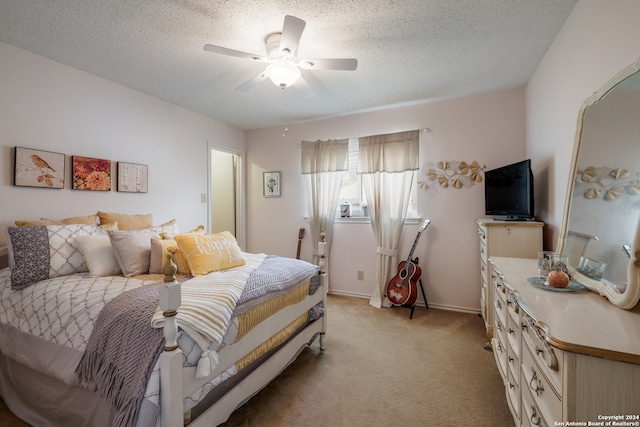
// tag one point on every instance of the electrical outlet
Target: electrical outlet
(360, 275)
(203, 197)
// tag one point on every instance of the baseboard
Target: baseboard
(419, 303)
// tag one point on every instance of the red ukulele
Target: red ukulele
(402, 288)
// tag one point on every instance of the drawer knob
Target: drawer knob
(537, 388)
(535, 418)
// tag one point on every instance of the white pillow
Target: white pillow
(99, 255)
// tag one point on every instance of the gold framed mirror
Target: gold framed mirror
(600, 231)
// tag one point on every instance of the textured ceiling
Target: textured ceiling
(408, 50)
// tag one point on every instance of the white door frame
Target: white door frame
(240, 191)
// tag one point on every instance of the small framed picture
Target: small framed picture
(133, 177)
(37, 168)
(271, 184)
(91, 174)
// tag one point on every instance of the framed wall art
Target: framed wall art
(37, 168)
(89, 173)
(132, 177)
(271, 184)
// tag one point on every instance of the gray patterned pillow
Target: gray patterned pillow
(43, 252)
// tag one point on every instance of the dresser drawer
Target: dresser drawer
(513, 363)
(543, 396)
(531, 415)
(513, 331)
(500, 354)
(513, 396)
(549, 359)
(500, 303)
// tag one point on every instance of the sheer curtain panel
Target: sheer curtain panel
(322, 165)
(388, 164)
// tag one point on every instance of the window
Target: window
(352, 191)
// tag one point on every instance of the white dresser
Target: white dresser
(518, 239)
(565, 357)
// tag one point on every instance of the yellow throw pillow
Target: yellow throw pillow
(110, 226)
(89, 219)
(206, 253)
(126, 221)
(159, 252)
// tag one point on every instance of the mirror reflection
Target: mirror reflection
(605, 199)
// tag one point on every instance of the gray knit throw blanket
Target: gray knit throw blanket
(122, 351)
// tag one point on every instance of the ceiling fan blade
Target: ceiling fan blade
(232, 52)
(244, 87)
(348, 64)
(291, 33)
(305, 88)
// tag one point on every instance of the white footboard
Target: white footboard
(177, 382)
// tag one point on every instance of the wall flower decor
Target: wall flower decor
(606, 183)
(91, 174)
(37, 168)
(456, 174)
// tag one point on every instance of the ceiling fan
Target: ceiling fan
(284, 67)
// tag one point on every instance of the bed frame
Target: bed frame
(178, 382)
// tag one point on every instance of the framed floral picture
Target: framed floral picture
(37, 168)
(132, 177)
(271, 184)
(89, 173)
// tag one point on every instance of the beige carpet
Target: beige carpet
(382, 369)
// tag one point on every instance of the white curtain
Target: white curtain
(388, 164)
(322, 165)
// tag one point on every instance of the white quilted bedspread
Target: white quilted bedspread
(61, 310)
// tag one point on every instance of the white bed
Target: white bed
(265, 311)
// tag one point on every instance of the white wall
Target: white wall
(599, 39)
(48, 106)
(488, 128)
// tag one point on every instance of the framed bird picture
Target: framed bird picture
(38, 168)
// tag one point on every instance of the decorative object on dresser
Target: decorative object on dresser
(521, 239)
(403, 287)
(38, 168)
(606, 204)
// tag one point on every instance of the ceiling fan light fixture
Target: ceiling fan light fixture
(283, 74)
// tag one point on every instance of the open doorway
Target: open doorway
(226, 194)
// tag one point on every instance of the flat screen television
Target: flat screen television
(508, 192)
